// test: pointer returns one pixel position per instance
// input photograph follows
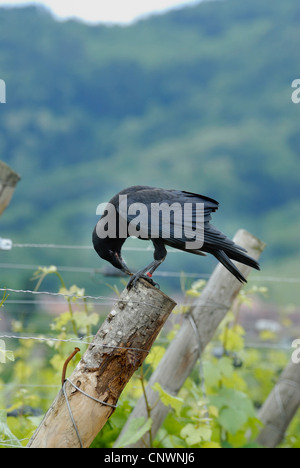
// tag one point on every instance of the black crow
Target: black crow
(175, 218)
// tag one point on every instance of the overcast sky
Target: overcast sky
(116, 11)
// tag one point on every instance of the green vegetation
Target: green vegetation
(216, 407)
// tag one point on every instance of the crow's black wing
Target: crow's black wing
(216, 240)
(184, 213)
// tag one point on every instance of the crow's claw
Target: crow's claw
(133, 281)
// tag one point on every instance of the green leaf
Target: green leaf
(235, 408)
(136, 429)
(5, 432)
(229, 397)
(83, 320)
(232, 337)
(194, 435)
(226, 367)
(5, 353)
(155, 356)
(167, 399)
(214, 371)
(232, 419)
(62, 321)
(172, 424)
(73, 291)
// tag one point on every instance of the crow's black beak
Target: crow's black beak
(122, 264)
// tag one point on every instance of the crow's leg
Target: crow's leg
(145, 273)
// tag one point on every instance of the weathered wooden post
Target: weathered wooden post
(8, 182)
(118, 349)
(280, 407)
(196, 332)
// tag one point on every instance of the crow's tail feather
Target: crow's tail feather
(242, 258)
(238, 256)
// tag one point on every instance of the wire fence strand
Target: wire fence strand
(110, 300)
(90, 270)
(166, 274)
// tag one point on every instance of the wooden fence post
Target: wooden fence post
(196, 332)
(118, 349)
(280, 407)
(8, 181)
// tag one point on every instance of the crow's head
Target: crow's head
(110, 250)
(115, 259)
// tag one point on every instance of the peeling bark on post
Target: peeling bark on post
(196, 332)
(105, 368)
(8, 181)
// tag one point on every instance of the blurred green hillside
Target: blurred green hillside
(196, 99)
